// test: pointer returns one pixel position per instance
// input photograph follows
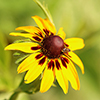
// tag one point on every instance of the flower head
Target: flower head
(50, 53)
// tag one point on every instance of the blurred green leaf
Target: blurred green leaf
(4, 56)
(5, 79)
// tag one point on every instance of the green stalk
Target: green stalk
(45, 10)
(30, 88)
(14, 96)
(17, 91)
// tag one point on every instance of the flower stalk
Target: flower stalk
(14, 96)
(45, 10)
(31, 88)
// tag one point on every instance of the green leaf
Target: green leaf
(23, 40)
(16, 54)
(21, 59)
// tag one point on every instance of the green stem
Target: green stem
(17, 91)
(14, 96)
(45, 10)
(30, 88)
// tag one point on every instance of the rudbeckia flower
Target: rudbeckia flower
(50, 53)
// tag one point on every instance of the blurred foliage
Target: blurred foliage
(79, 18)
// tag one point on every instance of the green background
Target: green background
(79, 18)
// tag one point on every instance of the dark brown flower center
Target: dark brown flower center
(52, 46)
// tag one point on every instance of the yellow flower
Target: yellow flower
(50, 53)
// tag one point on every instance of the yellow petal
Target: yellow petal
(25, 47)
(47, 80)
(27, 35)
(61, 33)
(75, 43)
(50, 26)
(62, 80)
(77, 60)
(44, 24)
(27, 63)
(30, 29)
(34, 71)
(70, 73)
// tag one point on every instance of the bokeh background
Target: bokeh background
(79, 18)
